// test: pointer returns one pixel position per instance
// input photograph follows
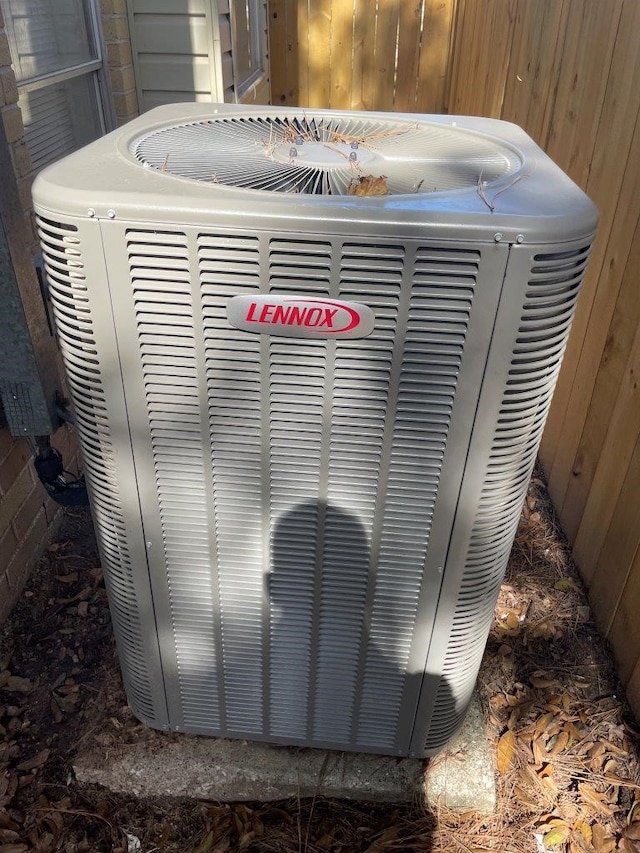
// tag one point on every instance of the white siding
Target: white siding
(183, 52)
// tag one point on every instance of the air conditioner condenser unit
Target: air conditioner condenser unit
(311, 355)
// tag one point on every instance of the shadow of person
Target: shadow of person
(340, 637)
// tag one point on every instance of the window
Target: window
(56, 55)
(248, 60)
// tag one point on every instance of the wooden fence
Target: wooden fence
(356, 54)
(568, 71)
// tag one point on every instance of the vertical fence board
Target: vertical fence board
(624, 634)
(280, 74)
(385, 54)
(633, 690)
(341, 52)
(615, 457)
(409, 25)
(617, 297)
(572, 470)
(319, 81)
(361, 57)
(535, 59)
(435, 50)
(478, 76)
(609, 576)
(298, 28)
(609, 379)
(367, 26)
(580, 100)
(570, 142)
(293, 56)
(582, 81)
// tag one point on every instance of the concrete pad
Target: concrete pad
(173, 765)
(462, 777)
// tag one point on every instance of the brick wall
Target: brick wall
(115, 31)
(28, 517)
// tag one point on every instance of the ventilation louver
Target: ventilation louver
(311, 357)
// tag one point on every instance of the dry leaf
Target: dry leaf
(58, 546)
(592, 798)
(565, 584)
(632, 832)
(544, 722)
(525, 799)
(506, 746)
(15, 684)
(37, 761)
(543, 630)
(512, 621)
(627, 846)
(540, 682)
(562, 741)
(601, 840)
(557, 835)
(72, 577)
(539, 752)
(584, 829)
(381, 841)
(369, 185)
(245, 839)
(550, 784)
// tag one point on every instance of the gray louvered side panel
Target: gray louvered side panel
(62, 252)
(437, 321)
(549, 306)
(297, 390)
(229, 266)
(359, 406)
(160, 281)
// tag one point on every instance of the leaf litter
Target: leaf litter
(567, 769)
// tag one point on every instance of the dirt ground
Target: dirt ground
(567, 748)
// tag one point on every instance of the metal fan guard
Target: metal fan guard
(324, 155)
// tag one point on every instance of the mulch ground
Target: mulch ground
(568, 774)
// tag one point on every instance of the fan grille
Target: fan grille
(327, 156)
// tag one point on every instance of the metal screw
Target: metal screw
(353, 156)
(299, 140)
(355, 145)
(111, 213)
(149, 544)
(520, 238)
(91, 212)
(497, 237)
(293, 152)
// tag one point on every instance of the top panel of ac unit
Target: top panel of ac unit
(185, 162)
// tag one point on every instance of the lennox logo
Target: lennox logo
(300, 316)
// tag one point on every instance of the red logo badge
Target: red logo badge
(300, 316)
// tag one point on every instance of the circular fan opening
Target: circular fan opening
(327, 156)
